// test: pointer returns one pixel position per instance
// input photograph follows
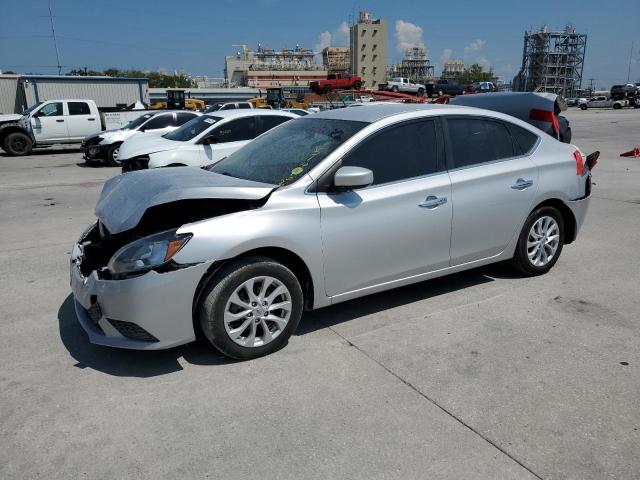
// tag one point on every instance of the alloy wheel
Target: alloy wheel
(543, 241)
(257, 311)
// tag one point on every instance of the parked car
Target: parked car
(228, 106)
(201, 141)
(603, 102)
(323, 209)
(448, 87)
(405, 85)
(106, 145)
(542, 110)
(482, 87)
(336, 81)
(301, 112)
(49, 123)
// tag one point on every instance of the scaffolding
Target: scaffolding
(284, 59)
(452, 69)
(415, 65)
(552, 61)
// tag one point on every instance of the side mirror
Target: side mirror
(212, 140)
(353, 177)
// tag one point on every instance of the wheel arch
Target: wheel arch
(282, 255)
(568, 218)
(10, 128)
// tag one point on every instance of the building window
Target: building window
(363, 70)
(363, 32)
(364, 45)
(374, 70)
(375, 45)
(363, 57)
(374, 32)
(374, 58)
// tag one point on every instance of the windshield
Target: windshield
(31, 108)
(192, 128)
(284, 154)
(133, 124)
(213, 108)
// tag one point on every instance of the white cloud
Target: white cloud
(408, 35)
(339, 38)
(474, 47)
(446, 55)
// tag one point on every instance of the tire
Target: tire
(112, 155)
(357, 85)
(394, 89)
(327, 89)
(421, 92)
(217, 312)
(17, 144)
(583, 107)
(617, 106)
(535, 223)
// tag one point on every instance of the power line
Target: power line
(55, 41)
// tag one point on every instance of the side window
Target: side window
(524, 139)
(183, 117)
(268, 122)
(159, 121)
(244, 105)
(237, 130)
(400, 152)
(78, 108)
(229, 106)
(51, 110)
(475, 140)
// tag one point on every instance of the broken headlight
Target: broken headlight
(147, 253)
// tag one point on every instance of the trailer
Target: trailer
(19, 92)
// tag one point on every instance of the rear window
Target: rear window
(524, 140)
(79, 108)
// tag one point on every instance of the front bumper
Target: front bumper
(94, 152)
(152, 311)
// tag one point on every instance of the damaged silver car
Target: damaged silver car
(319, 210)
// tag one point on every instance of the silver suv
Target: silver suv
(322, 209)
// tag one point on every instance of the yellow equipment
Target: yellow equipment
(275, 98)
(176, 100)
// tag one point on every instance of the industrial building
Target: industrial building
(336, 59)
(415, 65)
(268, 67)
(552, 61)
(452, 69)
(18, 92)
(368, 48)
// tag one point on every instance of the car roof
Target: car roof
(249, 113)
(373, 112)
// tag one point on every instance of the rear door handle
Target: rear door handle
(432, 202)
(91, 119)
(522, 184)
(59, 121)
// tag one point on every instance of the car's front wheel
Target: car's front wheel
(17, 144)
(540, 242)
(112, 155)
(251, 307)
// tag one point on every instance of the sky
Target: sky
(195, 35)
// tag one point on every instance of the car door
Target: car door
(400, 225)
(80, 121)
(493, 184)
(49, 124)
(228, 137)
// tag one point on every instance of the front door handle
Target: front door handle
(432, 202)
(59, 121)
(91, 119)
(522, 184)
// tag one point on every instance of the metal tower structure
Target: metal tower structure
(552, 61)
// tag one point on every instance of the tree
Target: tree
(475, 73)
(156, 79)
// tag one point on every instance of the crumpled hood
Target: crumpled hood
(145, 145)
(125, 198)
(10, 117)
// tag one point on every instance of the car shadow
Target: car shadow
(45, 151)
(144, 364)
(379, 302)
(128, 363)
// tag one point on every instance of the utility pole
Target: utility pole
(630, 58)
(591, 80)
(55, 41)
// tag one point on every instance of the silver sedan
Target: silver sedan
(319, 210)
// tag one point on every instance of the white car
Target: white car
(405, 85)
(202, 141)
(106, 145)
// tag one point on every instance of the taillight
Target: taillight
(579, 162)
(545, 116)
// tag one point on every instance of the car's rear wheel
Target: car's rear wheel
(112, 155)
(394, 89)
(357, 85)
(617, 106)
(251, 307)
(540, 242)
(421, 92)
(17, 144)
(583, 107)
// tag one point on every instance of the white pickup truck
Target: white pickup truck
(57, 122)
(405, 85)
